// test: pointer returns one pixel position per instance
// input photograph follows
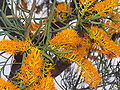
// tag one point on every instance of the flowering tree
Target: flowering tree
(71, 32)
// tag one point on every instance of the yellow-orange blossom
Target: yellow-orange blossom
(7, 85)
(14, 46)
(68, 39)
(31, 70)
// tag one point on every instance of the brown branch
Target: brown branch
(28, 21)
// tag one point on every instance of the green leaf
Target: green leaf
(62, 52)
(6, 20)
(2, 33)
(47, 56)
(97, 17)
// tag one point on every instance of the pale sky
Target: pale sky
(7, 68)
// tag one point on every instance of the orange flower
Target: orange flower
(14, 46)
(104, 42)
(69, 40)
(115, 16)
(105, 6)
(66, 37)
(78, 52)
(7, 85)
(45, 83)
(63, 8)
(35, 86)
(90, 74)
(66, 40)
(31, 69)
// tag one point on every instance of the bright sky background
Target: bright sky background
(7, 68)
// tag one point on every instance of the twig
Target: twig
(27, 31)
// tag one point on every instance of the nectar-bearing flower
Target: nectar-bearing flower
(62, 7)
(69, 40)
(67, 37)
(14, 46)
(103, 41)
(78, 52)
(7, 85)
(45, 83)
(90, 73)
(106, 6)
(31, 69)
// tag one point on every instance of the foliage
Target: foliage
(71, 32)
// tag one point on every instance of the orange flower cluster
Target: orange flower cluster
(105, 6)
(69, 40)
(14, 46)
(67, 37)
(77, 52)
(63, 8)
(107, 46)
(31, 69)
(90, 74)
(7, 85)
(46, 83)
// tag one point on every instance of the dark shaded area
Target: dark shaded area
(58, 24)
(59, 67)
(115, 36)
(8, 11)
(16, 66)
